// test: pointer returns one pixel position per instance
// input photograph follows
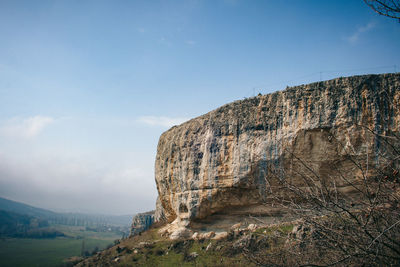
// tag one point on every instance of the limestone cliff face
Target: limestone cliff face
(141, 222)
(221, 160)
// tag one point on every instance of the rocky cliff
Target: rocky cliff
(220, 162)
(141, 222)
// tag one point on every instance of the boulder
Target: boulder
(220, 235)
(252, 227)
(180, 233)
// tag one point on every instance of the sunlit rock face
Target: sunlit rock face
(221, 161)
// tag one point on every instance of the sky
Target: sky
(87, 87)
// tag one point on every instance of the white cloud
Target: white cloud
(25, 127)
(360, 30)
(79, 185)
(85, 165)
(161, 121)
(190, 42)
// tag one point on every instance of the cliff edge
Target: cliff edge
(219, 163)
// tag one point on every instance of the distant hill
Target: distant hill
(77, 219)
(16, 225)
(12, 223)
(17, 207)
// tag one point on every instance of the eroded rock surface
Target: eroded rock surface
(220, 162)
(141, 222)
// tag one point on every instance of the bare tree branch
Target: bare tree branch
(388, 8)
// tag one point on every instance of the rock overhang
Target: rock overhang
(222, 159)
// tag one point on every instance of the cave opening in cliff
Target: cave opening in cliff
(183, 208)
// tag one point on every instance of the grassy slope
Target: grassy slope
(164, 252)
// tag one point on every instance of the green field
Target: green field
(51, 252)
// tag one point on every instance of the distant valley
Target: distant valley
(40, 234)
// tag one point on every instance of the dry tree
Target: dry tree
(387, 8)
(350, 215)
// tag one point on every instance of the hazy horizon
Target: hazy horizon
(87, 87)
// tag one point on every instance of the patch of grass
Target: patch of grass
(161, 255)
(286, 228)
(80, 232)
(52, 252)
(38, 252)
(282, 229)
(165, 252)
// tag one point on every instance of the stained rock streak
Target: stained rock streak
(220, 162)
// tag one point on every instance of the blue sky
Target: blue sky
(87, 87)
